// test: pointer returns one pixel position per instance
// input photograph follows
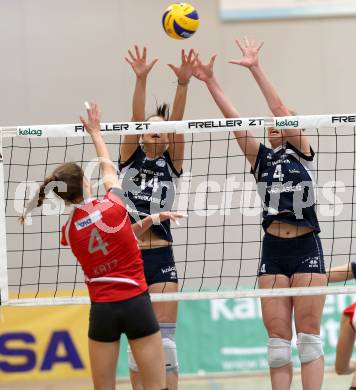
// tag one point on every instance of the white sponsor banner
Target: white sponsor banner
(214, 125)
(281, 9)
(122, 128)
(72, 130)
(193, 126)
(315, 121)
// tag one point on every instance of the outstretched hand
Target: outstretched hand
(185, 71)
(250, 50)
(139, 62)
(204, 72)
(171, 215)
(92, 124)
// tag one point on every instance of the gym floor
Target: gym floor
(246, 382)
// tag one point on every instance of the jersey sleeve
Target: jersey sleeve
(130, 160)
(63, 236)
(261, 161)
(303, 156)
(171, 165)
(353, 268)
(304, 159)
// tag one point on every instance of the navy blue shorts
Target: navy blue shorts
(289, 256)
(159, 265)
(133, 317)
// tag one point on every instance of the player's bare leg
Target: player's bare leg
(307, 313)
(149, 357)
(166, 313)
(277, 318)
(103, 362)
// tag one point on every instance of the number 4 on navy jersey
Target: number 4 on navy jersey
(278, 173)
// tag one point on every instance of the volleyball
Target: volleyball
(180, 21)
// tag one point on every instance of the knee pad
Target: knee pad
(310, 347)
(279, 352)
(168, 334)
(132, 362)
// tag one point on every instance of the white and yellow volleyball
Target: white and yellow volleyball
(180, 20)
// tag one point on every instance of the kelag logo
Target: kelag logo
(286, 122)
(60, 350)
(29, 132)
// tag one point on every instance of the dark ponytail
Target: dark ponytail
(162, 111)
(66, 182)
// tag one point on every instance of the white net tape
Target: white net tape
(193, 126)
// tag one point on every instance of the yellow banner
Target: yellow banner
(44, 343)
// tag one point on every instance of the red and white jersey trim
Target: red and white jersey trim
(104, 279)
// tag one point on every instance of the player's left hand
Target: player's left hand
(185, 71)
(92, 124)
(250, 50)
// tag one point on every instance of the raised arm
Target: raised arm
(92, 126)
(183, 73)
(245, 139)
(250, 60)
(141, 68)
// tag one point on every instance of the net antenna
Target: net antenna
(214, 259)
(4, 290)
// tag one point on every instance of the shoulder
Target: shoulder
(138, 154)
(291, 149)
(114, 203)
(66, 228)
(264, 154)
(115, 195)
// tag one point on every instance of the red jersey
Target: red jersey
(102, 240)
(350, 311)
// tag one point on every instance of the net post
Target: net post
(4, 293)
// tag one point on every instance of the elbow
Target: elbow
(340, 370)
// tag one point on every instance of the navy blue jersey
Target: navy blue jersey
(284, 179)
(150, 187)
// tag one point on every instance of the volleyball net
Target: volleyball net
(217, 247)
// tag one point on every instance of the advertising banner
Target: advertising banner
(44, 343)
(212, 336)
(281, 9)
(228, 335)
